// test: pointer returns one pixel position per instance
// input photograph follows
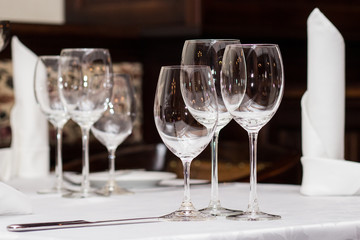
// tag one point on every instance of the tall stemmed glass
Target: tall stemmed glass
(85, 89)
(48, 98)
(185, 113)
(210, 52)
(115, 126)
(259, 69)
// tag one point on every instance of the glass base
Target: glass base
(80, 194)
(253, 216)
(218, 210)
(187, 215)
(110, 189)
(187, 212)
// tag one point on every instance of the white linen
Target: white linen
(302, 217)
(324, 100)
(29, 127)
(323, 114)
(6, 163)
(13, 202)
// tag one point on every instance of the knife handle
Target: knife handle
(25, 227)
(45, 225)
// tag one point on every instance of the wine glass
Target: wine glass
(210, 52)
(4, 34)
(115, 126)
(258, 69)
(48, 98)
(185, 114)
(85, 90)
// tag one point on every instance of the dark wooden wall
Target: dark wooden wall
(153, 31)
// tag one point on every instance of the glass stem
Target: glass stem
(253, 206)
(85, 185)
(58, 161)
(111, 167)
(214, 200)
(186, 204)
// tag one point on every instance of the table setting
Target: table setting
(216, 81)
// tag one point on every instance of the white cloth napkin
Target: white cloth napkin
(13, 202)
(325, 172)
(29, 152)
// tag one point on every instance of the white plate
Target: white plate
(126, 178)
(180, 182)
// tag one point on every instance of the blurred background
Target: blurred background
(143, 35)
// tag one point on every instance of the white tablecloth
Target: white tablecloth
(302, 217)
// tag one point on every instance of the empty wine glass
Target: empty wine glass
(257, 69)
(185, 113)
(210, 52)
(85, 90)
(4, 34)
(115, 126)
(48, 98)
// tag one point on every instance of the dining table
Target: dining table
(302, 217)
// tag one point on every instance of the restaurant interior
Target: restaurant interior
(143, 35)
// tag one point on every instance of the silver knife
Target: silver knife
(24, 227)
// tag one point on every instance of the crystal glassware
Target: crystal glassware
(210, 52)
(252, 85)
(185, 114)
(85, 90)
(48, 98)
(115, 126)
(4, 34)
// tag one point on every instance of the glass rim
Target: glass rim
(251, 45)
(84, 49)
(205, 40)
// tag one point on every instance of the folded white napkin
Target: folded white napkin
(29, 153)
(325, 172)
(13, 202)
(6, 161)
